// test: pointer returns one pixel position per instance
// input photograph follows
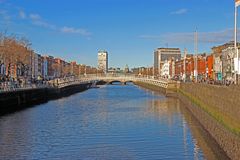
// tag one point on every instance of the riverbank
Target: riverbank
(17, 100)
(216, 108)
(170, 91)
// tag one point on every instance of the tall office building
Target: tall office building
(103, 61)
(165, 54)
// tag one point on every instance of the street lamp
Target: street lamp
(237, 3)
(184, 65)
(85, 71)
(147, 71)
(153, 72)
(196, 55)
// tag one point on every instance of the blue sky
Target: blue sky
(129, 30)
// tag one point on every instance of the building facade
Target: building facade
(187, 72)
(45, 68)
(2, 70)
(75, 68)
(209, 67)
(103, 61)
(34, 65)
(228, 69)
(50, 69)
(217, 53)
(40, 67)
(163, 54)
(165, 70)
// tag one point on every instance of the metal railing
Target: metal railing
(15, 86)
(162, 82)
(63, 82)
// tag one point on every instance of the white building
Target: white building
(103, 61)
(165, 70)
(229, 63)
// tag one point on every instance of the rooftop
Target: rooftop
(169, 49)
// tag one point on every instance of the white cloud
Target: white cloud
(152, 37)
(35, 17)
(80, 31)
(22, 14)
(180, 11)
(188, 37)
(44, 24)
(203, 37)
(37, 20)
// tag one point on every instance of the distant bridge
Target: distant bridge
(125, 79)
(109, 79)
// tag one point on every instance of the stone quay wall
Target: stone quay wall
(217, 108)
(21, 99)
(170, 91)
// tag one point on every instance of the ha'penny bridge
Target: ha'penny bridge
(109, 79)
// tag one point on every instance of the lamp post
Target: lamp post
(85, 71)
(184, 65)
(147, 71)
(196, 55)
(235, 42)
(153, 71)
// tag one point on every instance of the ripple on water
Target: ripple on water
(113, 122)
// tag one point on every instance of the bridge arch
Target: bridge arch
(115, 81)
(129, 81)
(101, 82)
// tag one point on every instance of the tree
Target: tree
(15, 53)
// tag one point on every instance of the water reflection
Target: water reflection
(165, 109)
(112, 122)
(202, 139)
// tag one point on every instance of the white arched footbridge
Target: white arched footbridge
(160, 82)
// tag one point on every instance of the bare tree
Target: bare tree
(14, 53)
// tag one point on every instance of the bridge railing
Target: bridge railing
(151, 80)
(63, 82)
(15, 86)
(122, 75)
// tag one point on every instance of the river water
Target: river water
(112, 122)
